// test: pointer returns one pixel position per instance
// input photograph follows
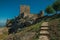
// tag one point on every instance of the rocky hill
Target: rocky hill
(31, 32)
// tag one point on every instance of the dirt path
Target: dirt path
(44, 31)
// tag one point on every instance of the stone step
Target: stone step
(42, 37)
(44, 24)
(44, 32)
(44, 28)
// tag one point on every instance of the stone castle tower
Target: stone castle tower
(25, 10)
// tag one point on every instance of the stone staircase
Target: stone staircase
(44, 32)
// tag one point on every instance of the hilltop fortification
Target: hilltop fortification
(24, 19)
(25, 12)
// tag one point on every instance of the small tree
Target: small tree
(50, 10)
(56, 5)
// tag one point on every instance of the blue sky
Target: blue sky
(11, 8)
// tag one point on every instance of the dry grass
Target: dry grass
(3, 33)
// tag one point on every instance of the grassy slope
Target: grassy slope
(52, 21)
(34, 28)
(31, 32)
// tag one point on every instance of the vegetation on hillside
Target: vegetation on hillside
(54, 8)
(28, 33)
